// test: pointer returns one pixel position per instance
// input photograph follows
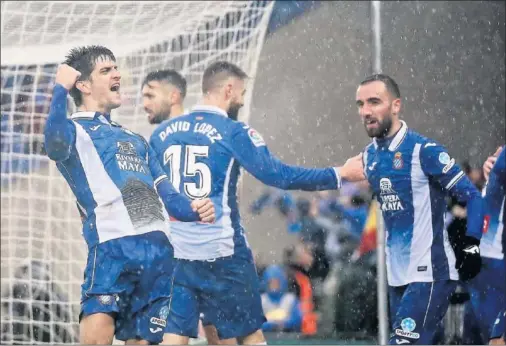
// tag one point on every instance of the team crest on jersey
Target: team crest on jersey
(398, 162)
(164, 312)
(390, 200)
(256, 138)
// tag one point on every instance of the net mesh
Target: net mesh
(42, 251)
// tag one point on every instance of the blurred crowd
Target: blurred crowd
(326, 282)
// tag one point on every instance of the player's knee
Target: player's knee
(136, 342)
(255, 338)
(97, 329)
(174, 339)
(497, 341)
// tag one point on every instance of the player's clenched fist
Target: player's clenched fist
(67, 76)
(205, 209)
(353, 169)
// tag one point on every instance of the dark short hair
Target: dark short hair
(218, 72)
(389, 82)
(83, 59)
(168, 76)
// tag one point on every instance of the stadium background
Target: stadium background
(448, 58)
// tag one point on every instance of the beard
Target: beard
(233, 111)
(158, 118)
(382, 129)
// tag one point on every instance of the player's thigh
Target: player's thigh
(234, 306)
(97, 329)
(255, 338)
(182, 313)
(421, 309)
(394, 301)
(213, 338)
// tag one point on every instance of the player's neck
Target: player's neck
(93, 107)
(176, 111)
(396, 126)
(211, 100)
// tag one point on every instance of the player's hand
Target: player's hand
(67, 76)
(468, 257)
(353, 169)
(205, 209)
(487, 166)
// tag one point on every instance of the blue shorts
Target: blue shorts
(130, 278)
(498, 327)
(417, 309)
(226, 291)
(487, 291)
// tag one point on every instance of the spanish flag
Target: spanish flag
(368, 240)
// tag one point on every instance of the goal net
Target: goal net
(42, 251)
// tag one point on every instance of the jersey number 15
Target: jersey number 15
(172, 157)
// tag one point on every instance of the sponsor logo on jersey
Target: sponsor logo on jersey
(256, 138)
(158, 321)
(95, 128)
(127, 158)
(445, 159)
(407, 325)
(390, 200)
(398, 162)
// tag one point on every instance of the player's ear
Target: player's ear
(396, 106)
(84, 86)
(228, 90)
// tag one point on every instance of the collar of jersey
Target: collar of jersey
(209, 109)
(105, 118)
(396, 141)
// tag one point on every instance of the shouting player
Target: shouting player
(115, 177)
(202, 152)
(410, 176)
(163, 93)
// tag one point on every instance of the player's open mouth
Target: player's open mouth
(115, 87)
(371, 122)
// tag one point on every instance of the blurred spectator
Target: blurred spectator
(299, 260)
(281, 308)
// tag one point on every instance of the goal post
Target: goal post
(43, 253)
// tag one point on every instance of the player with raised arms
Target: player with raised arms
(118, 184)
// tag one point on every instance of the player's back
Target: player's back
(196, 152)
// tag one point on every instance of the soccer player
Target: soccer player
(488, 289)
(495, 206)
(202, 152)
(115, 177)
(410, 176)
(163, 93)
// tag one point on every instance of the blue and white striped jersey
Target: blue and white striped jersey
(202, 153)
(112, 172)
(494, 195)
(410, 176)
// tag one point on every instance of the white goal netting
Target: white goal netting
(42, 250)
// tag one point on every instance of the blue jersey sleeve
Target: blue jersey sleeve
(495, 190)
(59, 132)
(250, 150)
(439, 166)
(177, 205)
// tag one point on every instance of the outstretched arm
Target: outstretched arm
(252, 153)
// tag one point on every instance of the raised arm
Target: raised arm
(59, 132)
